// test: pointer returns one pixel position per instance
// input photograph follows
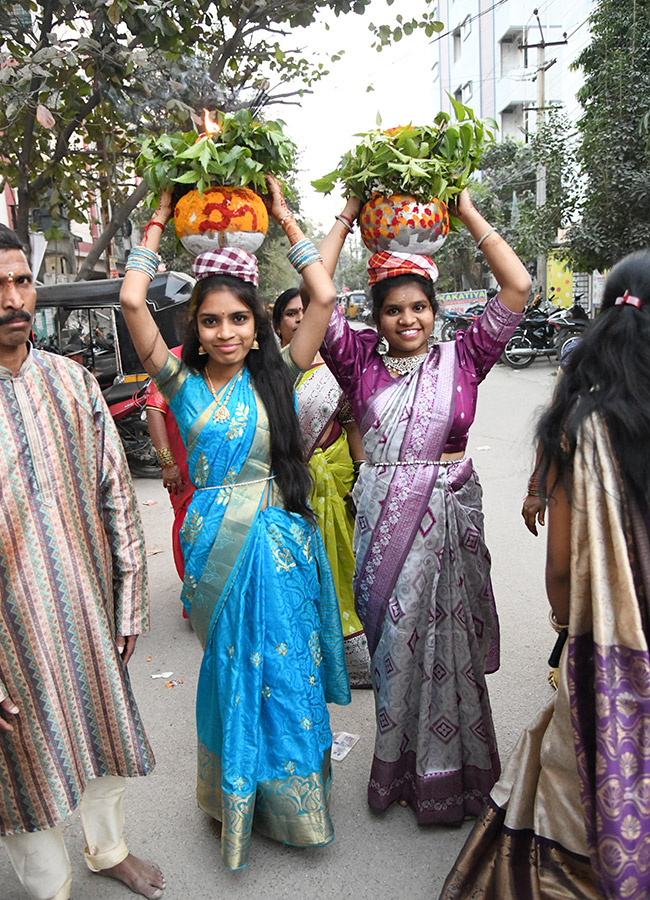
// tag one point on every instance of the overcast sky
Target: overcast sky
(324, 125)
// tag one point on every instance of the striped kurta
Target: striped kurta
(72, 577)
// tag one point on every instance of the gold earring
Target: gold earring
(201, 351)
(255, 345)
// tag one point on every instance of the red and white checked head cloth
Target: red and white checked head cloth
(389, 265)
(227, 261)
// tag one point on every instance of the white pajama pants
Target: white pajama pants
(40, 858)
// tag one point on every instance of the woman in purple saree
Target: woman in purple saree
(571, 815)
(422, 580)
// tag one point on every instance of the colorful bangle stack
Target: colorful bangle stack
(165, 457)
(303, 254)
(142, 259)
(345, 221)
(533, 487)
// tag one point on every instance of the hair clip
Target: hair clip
(627, 298)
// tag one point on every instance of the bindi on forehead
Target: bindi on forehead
(10, 277)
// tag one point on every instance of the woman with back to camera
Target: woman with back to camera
(422, 579)
(257, 583)
(571, 816)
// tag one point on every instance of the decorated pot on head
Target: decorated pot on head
(221, 217)
(401, 224)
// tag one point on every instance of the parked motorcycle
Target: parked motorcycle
(543, 331)
(454, 322)
(570, 323)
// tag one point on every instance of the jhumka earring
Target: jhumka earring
(255, 345)
(382, 346)
(201, 351)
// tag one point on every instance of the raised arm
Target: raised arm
(318, 282)
(504, 263)
(332, 244)
(145, 335)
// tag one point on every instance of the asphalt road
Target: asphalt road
(373, 857)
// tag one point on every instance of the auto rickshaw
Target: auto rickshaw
(83, 320)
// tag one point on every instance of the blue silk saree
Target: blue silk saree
(260, 596)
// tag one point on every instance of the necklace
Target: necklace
(404, 364)
(221, 413)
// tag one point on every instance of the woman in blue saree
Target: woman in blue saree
(257, 586)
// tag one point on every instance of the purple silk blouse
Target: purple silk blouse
(353, 358)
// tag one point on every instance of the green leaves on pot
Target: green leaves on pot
(426, 161)
(238, 156)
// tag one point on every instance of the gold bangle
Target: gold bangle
(165, 457)
(555, 625)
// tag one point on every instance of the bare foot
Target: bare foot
(142, 876)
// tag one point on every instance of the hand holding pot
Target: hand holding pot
(463, 208)
(274, 200)
(164, 209)
(352, 208)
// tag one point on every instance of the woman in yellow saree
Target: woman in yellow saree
(333, 449)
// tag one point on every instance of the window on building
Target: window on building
(512, 121)
(466, 27)
(435, 72)
(466, 92)
(511, 54)
(456, 40)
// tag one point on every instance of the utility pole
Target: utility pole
(542, 67)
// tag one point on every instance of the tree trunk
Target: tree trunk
(107, 235)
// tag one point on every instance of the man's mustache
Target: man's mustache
(19, 316)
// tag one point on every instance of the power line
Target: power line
(470, 19)
(578, 27)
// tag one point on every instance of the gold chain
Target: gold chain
(221, 413)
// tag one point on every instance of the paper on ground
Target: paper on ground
(342, 743)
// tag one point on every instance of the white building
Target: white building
(486, 59)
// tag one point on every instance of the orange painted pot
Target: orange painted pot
(221, 217)
(400, 224)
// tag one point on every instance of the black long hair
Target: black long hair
(273, 383)
(281, 304)
(608, 374)
(379, 291)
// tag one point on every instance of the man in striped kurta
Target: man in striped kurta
(73, 598)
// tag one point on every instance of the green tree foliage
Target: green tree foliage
(614, 212)
(82, 79)
(386, 35)
(506, 197)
